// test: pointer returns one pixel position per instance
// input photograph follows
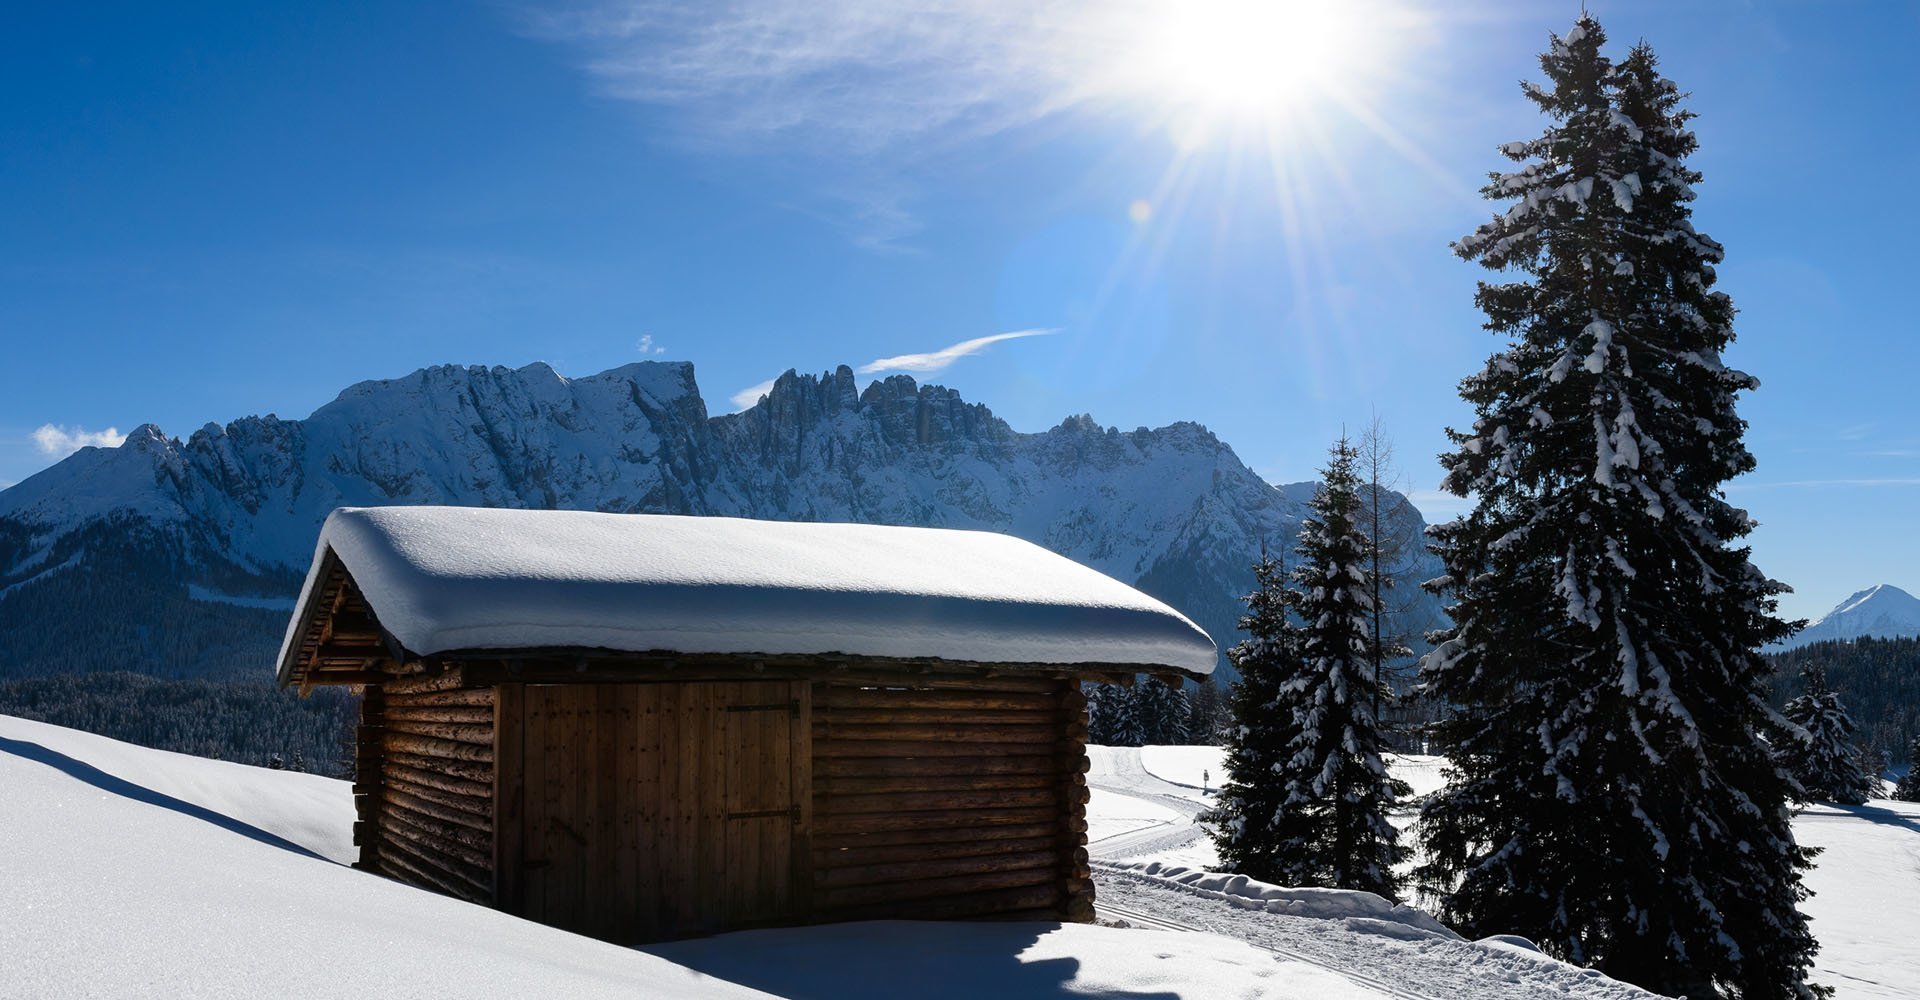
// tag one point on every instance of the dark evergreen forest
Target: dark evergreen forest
(1878, 681)
(252, 722)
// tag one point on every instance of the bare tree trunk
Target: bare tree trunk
(1376, 458)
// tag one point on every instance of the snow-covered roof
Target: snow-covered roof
(441, 579)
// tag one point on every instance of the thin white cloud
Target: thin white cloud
(59, 442)
(860, 76)
(750, 395)
(934, 361)
(931, 361)
(647, 346)
(855, 96)
(1822, 484)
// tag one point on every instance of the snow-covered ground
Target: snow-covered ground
(1866, 907)
(127, 872)
(1865, 882)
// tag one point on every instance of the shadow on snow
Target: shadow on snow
(86, 772)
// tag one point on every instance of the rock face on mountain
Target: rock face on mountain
(180, 557)
(1882, 611)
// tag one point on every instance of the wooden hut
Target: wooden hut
(642, 727)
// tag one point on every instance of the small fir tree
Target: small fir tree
(1338, 792)
(1259, 733)
(1826, 763)
(1908, 789)
(1611, 794)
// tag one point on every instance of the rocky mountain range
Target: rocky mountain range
(180, 557)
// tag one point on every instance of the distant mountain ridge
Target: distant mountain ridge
(179, 557)
(1883, 611)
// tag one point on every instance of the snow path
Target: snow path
(1119, 770)
(1398, 961)
(1865, 884)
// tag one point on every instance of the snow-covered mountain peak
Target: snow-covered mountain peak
(1882, 611)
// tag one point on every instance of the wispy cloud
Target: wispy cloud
(1823, 484)
(1856, 432)
(59, 442)
(750, 395)
(934, 361)
(647, 346)
(927, 363)
(863, 76)
(871, 90)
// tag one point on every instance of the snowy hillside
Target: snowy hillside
(1865, 880)
(209, 534)
(1882, 611)
(137, 873)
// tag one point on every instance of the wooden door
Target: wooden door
(650, 811)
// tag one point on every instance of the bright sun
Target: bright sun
(1258, 57)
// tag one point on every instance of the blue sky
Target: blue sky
(213, 210)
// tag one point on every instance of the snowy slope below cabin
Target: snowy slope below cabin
(138, 873)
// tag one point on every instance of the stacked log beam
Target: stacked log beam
(1076, 874)
(950, 799)
(368, 770)
(434, 802)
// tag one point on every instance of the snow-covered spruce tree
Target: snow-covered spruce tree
(1162, 709)
(1611, 794)
(1908, 789)
(1129, 723)
(1105, 703)
(1338, 791)
(1245, 822)
(1827, 765)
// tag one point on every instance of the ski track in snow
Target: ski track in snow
(1118, 769)
(1864, 881)
(1400, 961)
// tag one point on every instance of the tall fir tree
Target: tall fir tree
(1338, 791)
(1827, 764)
(1259, 735)
(1908, 789)
(1612, 794)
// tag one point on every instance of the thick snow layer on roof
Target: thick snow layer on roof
(457, 578)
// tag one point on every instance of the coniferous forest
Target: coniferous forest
(1879, 680)
(247, 721)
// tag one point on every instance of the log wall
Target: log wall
(932, 798)
(951, 798)
(424, 785)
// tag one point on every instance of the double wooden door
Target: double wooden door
(651, 811)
